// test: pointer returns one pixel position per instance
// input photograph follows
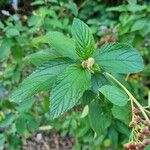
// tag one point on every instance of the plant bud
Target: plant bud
(145, 131)
(132, 124)
(139, 146)
(146, 123)
(138, 119)
(146, 141)
(140, 137)
(136, 110)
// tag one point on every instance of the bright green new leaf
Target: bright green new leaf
(82, 34)
(42, 56)
(114, 95)
(119, 58)
(39, 80)
(68, 89)
(100, 118)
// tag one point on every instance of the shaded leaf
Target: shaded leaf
(100, 118)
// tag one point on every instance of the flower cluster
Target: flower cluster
(140, 132)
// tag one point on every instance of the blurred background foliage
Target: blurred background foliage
(24, 25)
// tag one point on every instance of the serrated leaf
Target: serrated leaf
(114, 94)
(85, 45)
(21, 125)
(68, 89)
(122, 113)
(42, 56)
(41, 79)
(100, 118)
(119, 58)
(62, 44)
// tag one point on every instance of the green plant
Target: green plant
(76, 72)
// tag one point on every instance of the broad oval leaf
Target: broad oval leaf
(82, 34)
(40, 80)
(119, 58)
(42, 56)
(68, 89)
(64, 45)
(100, 118)
(114, 95)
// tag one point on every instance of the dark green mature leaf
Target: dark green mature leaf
(82, 34)
(39, 80)
(42, 56)
(100, 118)
(62, 44)
(113, 135)
(114, 95)
(122, 128)
(68, 89)
(98, 80)
(122, 113)
(119, 58)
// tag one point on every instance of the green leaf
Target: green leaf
(2, 140)
(100, 118)
(21, 125)
(42, 56)
(5, 46)
(41, 79)
(113, 135)
(85, 45)
(8, 120)
(119, 58)
(114, 95)
(122, 128)
(98, 80)
(62, 44)
(122, 113)
(68, 89)
(25, 105)
(139, 24)
(1, 25)
(12, 31)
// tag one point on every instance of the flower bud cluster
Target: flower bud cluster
(140, 132)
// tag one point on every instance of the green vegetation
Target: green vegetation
(76, 68)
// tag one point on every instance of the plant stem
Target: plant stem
(129, 94)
